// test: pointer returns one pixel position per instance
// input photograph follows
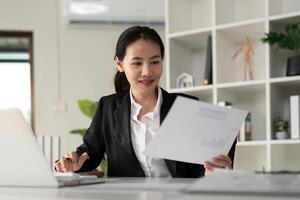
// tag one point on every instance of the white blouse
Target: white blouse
(142, 132)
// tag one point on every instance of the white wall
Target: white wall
(87, 65)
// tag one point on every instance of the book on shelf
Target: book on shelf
(242, 133)
(295, 116)
(248, 127)
(208, 62)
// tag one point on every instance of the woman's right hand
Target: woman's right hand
(71, 162)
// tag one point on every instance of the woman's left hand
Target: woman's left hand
(221, 161)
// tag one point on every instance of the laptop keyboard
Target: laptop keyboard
(71, 175)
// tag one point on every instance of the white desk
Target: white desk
(123, 189)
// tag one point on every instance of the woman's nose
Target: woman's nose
(146, 71)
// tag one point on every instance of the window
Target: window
(16, 73)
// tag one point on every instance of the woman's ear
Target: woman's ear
(119, 64)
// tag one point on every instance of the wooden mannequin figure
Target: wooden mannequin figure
(247, 50)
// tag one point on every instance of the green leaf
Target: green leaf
(280, 125)
(289, 39)
(104, 165)
(273, 38)
(88, 107)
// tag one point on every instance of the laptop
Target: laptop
(22, 161)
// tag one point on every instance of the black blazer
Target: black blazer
(110, 132)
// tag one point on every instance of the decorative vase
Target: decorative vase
(293, 66)
(280, 135)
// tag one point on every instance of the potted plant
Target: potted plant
(89, 108)
(281, 128)
(290, 40)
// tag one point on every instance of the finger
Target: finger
(82, 159)
(225, 158)
(213, 165)
(68, 160)
(63, 161)
(73, 155)
(228, 159)
(58, 166)
(208, 166)
(87, 155)
(69, 165)
(62, 164)
(221, 163)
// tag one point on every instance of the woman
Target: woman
(126, 121)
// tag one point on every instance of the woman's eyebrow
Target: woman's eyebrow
(136, 58)
(156, 56)
(139, 58)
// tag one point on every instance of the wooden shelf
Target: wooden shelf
(192, 89)
(191, 41)
(251, 98)
(283, 142)
(280, 92)
(228, 11)
(286, 80)
(199, 13)
(192, 51)
(278, 57)
(189, 32)
(282, 7)
(251, 143)
(228, 41)
(240, 85)
(204, 93)
(284, 16)
(238, 24)
(189, 23)
(283, 154)
(251, 157)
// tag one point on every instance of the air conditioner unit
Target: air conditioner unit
(114, 12)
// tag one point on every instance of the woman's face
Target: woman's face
(143, 65)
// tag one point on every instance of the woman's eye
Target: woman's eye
(155, 62)
(136, 63)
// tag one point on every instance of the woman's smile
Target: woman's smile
(146, 82)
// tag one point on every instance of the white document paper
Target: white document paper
(195, 132)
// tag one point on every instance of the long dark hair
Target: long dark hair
(129, 36)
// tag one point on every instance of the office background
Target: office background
(87, 67)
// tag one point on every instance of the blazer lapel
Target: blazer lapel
(122, 116)
(166, 105)
(123, 129)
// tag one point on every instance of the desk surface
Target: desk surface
(122, 189)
